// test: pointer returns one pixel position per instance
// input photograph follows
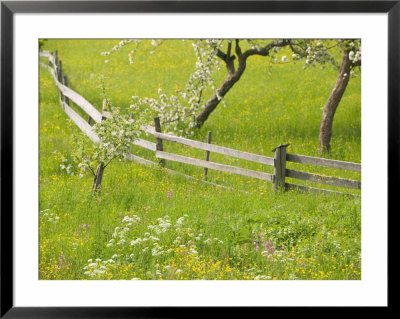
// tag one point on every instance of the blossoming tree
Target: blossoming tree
(187, 108)
(115, 136)
(351, 58)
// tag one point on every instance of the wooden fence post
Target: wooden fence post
(280, 167)
(207, 155)
(66, 99)
(59, 73)
(60, 78)
(56, 60)
(49, 62)
(159, 142)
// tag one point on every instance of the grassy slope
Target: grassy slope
(320, 234)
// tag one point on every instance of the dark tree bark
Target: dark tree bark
(234, 74)
(213, 102)
(97, 178)
(331, 105)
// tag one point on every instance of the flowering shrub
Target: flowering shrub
(116, 134)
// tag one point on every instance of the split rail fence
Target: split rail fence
(278, 162)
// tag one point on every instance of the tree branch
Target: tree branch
(301, 51)
(221, 55)
(94, 174)
(227, 58)
(265, 50)
(109, 162)
(185, 116)
(238, 49)
(228, 52)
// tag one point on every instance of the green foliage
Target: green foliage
(116, 135)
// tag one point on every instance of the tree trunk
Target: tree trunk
(331, 105)
(97, 178)
(213, 102)
(234, 75)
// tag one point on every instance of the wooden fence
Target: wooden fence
(278, 162)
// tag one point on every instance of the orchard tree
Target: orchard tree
(235, 60)
(115, 136)
(187, 109)
(351, 58)
(315, 52)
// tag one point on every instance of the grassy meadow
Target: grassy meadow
(149, 224)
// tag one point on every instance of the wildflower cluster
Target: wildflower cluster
(98, 268)
(53, 263)
(49, 216)
(269, 250)
(147, 247)
(119, 234)
(67, 166)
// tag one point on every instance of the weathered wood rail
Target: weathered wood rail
(215, 166)
(323, 162)
(279, 161)
(327, 180)
(215, 148)
(81, 102)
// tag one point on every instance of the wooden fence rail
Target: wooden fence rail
(75, 97)
(279, 163)
(323, 162)
(215, 166)
(327, 180)
(281, 157)
(215, 148)
(93, 113)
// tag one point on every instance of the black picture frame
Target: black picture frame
(9, 8)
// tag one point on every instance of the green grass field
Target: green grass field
(148, 224)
